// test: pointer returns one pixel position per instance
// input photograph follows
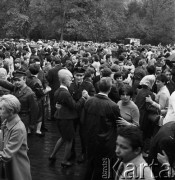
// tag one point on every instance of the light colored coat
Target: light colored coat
(14, 153)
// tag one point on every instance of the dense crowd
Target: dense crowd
(120, 97)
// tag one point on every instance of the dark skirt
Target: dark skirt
(66, 128)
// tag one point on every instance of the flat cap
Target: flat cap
(79, 69)
(18, 74)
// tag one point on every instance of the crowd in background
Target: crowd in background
(98, 87)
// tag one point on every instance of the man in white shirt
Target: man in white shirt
(130, 164)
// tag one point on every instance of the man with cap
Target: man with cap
(26, 97)
(76, 89)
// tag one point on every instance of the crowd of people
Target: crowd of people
(120, 97)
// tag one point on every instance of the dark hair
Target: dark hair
(126, 89)
(151, 69)
(105, 84)
(2, 55)
(133, 134)
(117, 75)
(34, 69)
(106, 72)
(96, 57)
(162, 77)
(108, 56)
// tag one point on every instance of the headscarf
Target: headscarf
(148, 80)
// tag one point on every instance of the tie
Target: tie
(119, 171)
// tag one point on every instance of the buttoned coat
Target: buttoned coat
(28, 101)
(14, 154)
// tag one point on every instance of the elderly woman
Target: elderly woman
(128, 109)
(14, 152)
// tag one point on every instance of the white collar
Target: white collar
(62, 86)
(103, 94)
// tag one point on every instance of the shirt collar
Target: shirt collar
(103, 94)
(64, 87)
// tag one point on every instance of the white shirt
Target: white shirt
(136, 169)
(170, 116)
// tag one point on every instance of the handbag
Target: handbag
(153, 113)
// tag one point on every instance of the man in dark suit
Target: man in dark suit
(76, 88)
(54, 83)
(100, 115)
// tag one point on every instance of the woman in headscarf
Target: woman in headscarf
(146, 126)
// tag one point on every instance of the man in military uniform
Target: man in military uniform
(27, 98)
(76, 89)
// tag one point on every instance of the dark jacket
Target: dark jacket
(76, 91)
(40, 76)
(113, 94)
(145, 125)
(53, 79)
(163, 140)
(171, 86)
(27, 98)
(69, 107)
(100, 115)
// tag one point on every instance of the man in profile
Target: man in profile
(130, 163)
(100, 115)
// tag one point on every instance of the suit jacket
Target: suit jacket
(100, 115)
(76, 91)
(68, 106)
(15, 149)
(53, 79)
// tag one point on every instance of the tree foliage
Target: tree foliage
(99, 20)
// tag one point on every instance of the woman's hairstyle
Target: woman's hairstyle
(118, 74)
(126, 89)
(133, 134)
(151, 69)
(11, 103)
(162, 78)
